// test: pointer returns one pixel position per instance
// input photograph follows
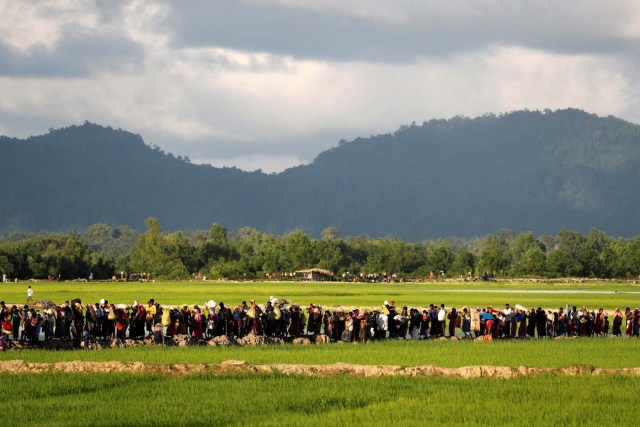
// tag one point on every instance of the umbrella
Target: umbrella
(46, 303)
(486, 316)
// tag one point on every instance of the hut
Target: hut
(315, 275)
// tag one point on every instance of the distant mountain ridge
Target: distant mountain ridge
(526, 170)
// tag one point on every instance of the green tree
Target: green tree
(630, 258)
(160, 255)
(533, 262)
(464, 263)
(494, 256)
(383, 256)
(612, 258)
(298, 251)
(330, 233)
(412, 258)
(440, 258)
(560, 263)
(331, 255)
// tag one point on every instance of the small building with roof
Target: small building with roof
(315, 275)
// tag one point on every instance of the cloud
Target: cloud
(403, 30)
(28, 25)
(278, 81)
(76, 55)
(64, 39)
(267, 163)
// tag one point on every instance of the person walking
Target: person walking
(29, 295)
(617, 323)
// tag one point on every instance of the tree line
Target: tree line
(246, 253)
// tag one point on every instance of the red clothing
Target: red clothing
(197, 326)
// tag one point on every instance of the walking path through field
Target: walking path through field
(239, 366)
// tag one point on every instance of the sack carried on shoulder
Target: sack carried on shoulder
(7, 327)
(112, 315)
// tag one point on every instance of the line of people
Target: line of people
(279, 318)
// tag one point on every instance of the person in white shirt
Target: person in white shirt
(509, 324)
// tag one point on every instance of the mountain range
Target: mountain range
(537, 171)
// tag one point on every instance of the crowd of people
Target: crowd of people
(279, 318)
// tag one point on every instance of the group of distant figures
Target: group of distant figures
(279, 318)
(480, 323)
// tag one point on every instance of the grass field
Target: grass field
(599, 352)
(274, 399)
(146, 399)
(606, 295)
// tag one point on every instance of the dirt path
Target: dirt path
(237, 366)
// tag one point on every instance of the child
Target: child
(157, 333)
(363, 329)
(605, 328)
(85, 338)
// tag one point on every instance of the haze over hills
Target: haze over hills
(537, 171)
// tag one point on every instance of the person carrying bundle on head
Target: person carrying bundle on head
(157, 333)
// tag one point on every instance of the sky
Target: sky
(269, 84)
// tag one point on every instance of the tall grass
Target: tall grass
(602, 353)
(241, 400)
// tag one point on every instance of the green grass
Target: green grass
(602, 353)
(240, 400)
(332, 294)
(143, 399)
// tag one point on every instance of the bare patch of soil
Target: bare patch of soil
(238, 366)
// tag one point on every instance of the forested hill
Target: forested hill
(537, 171)
(81, 175)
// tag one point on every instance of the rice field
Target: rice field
(263, 400)
(593, 295)
(598, 352)
(276, 399)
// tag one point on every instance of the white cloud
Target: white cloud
(25, 25)
(232, 105)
